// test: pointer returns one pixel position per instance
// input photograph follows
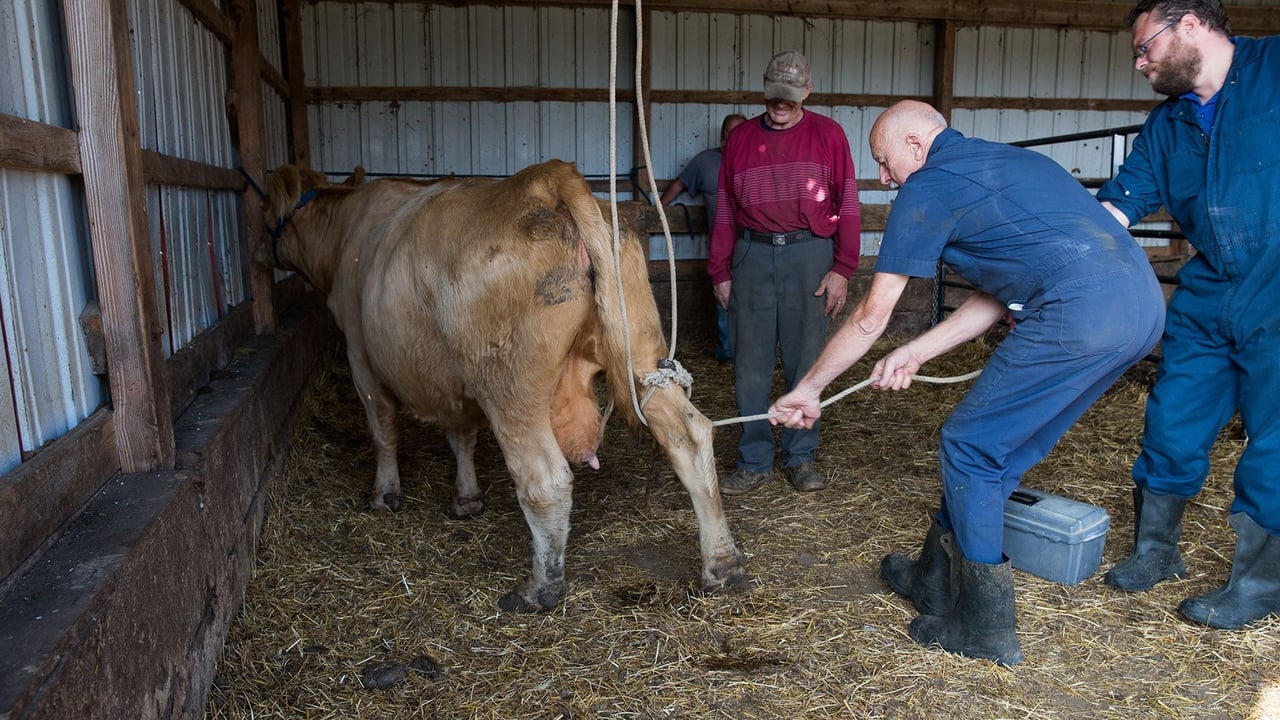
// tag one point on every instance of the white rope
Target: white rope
(613, 201)
(853, 389)
(669, 371)
(636, 402)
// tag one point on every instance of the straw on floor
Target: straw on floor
(407, 603)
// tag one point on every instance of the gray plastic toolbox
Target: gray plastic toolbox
(1054, 537)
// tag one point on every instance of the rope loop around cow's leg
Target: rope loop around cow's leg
(669, 371)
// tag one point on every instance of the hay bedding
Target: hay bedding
(343, 597)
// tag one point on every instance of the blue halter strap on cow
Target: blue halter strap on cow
(278, 230)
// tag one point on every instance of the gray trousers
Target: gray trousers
(772, 311)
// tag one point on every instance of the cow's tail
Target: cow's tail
(629, 322)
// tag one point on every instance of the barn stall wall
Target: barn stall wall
(151, 381)
(152, 375)
(475, 90)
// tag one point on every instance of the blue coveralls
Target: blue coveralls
(1221, 347)
(1086, 303)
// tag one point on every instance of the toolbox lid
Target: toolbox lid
(1054, 517)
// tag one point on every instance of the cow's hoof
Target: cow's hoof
(514, 602)
(739, 583)
(729, 575)
(736, 585)
(466, 508)
(389, 502)
(545, 597)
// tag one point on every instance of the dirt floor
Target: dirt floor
(343, 597)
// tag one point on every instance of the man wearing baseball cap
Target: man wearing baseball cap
(785, 240)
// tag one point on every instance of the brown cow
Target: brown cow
(478, 300)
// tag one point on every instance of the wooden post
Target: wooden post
(291, 21)
(246, 78)
(944, 67)
(115, 197)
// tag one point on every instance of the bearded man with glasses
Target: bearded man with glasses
(1210, 154)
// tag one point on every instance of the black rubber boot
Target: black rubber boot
(1157, 526)
(981, 622)
(1253, 590)
(927, 580)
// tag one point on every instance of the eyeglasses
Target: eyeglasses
(1142, 49)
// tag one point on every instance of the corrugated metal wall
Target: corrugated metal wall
(180, 70)
(275, 122)
(374, 45)
(46, 273)
(1044, 63)
(401, 45)
(46, 265)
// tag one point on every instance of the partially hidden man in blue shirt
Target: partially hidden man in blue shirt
(1086, 307)
(1210, 154)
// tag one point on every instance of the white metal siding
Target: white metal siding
(46, 274)
(180, 70)
(1046, 63)
(400, 45)
(269, 33)
(275, 128)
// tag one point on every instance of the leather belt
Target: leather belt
(786, 238)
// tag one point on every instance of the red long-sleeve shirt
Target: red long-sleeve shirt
(784, 180)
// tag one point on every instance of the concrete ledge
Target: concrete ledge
(125, 615)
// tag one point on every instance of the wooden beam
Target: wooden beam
(101, 63)
(944, 67)
(42, 494)
(1032, 103)
(1074, 14)
(716, 97)
(29, 145)
(299, 133)
(160, 169)
(273, 78)
(246, 74)
(461, 94)
(211, 17)
(351, 94)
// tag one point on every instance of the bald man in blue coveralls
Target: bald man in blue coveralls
(1087, 306)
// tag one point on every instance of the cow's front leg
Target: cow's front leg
(380, 415)
(544, 486)
(468, 501)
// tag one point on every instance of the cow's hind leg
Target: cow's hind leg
(544, 486)
(468, 501)
(686, 436)
(380, 414)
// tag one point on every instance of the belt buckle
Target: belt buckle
(780, 238)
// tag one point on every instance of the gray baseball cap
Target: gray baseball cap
(787, 77)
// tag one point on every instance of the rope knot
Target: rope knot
(668, 371)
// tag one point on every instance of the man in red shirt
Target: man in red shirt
(786, 238)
